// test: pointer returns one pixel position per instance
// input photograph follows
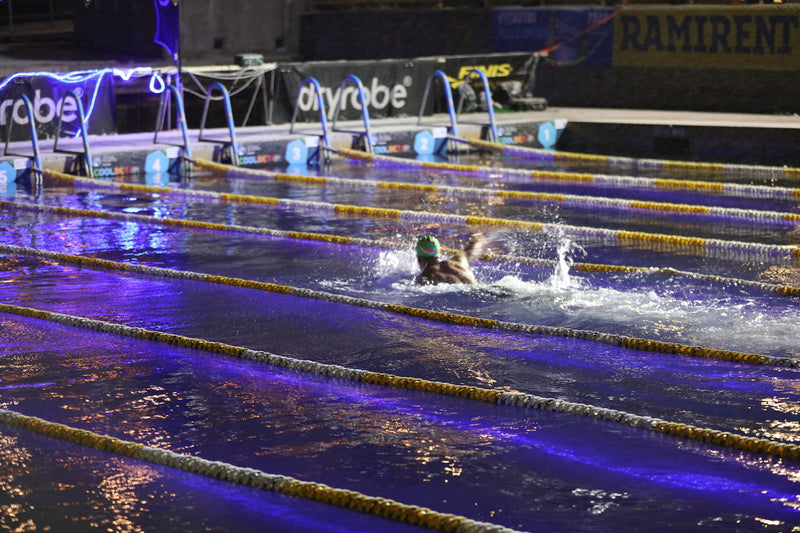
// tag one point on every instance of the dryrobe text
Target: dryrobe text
(44, 109)
(376, 95)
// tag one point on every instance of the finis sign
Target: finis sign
(740, 38)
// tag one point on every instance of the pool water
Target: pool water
(524, 469)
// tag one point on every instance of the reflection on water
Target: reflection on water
(66, 488)
(418, 448)
(526, 470)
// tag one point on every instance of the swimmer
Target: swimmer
(453, 270)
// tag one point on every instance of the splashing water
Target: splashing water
(560, 279)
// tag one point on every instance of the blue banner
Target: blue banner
(168, 27)
(569, 36)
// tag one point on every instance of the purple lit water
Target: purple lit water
(528, 470)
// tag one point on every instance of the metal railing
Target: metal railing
(86, 154)
(323, 118)
(366, 135)
(35, 157)
(162, 113)
(231, 143)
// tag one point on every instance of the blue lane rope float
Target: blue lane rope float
(694, 167)
(634, 343)
(528, 401)
(571, 200)
(251, 477)
(718, 188)
(772, 288)
(714, 247)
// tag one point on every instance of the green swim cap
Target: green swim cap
(428, 246)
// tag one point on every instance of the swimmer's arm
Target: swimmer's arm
(474, 247)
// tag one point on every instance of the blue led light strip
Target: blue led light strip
(156, 84)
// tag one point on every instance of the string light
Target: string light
(156, 83)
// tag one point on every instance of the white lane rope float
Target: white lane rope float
(639, 182)
(633, 343)
(528, 401)
(254, 478)
(569, 200)
(712, 247)
(667, 165)
(385, 244)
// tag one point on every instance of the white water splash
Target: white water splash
(566, 248)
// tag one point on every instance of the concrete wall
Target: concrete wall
(384, 34)
(211, 30)
(230, 27)
(582, 73)
(121, 30)
(589, 75)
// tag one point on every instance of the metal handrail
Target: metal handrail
(364, 112)
(234, 147)
(87, 155)
(35, 157)
(487, 94)
(449, 96)
(323, 118)
(187, 148)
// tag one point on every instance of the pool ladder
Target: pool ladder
(230, 144)
(363, 139)
(488, 130)
(82, 162)
(85, 159)
(34, 159)
(186, 147)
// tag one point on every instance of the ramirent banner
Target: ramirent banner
(762, 37)
(50, 95)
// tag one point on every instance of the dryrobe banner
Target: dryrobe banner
(764, 37)
(48, 96)
(570, 35)
(392, 88)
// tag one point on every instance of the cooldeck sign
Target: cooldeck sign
(49, 96)
(764, 37)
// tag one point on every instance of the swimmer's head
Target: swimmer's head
(428, 246)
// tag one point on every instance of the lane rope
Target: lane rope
(771, 288)
(713, 169)
(528, 401)
(714, 247)
(633, 343)
(718, 188)
(569, 200)
(254, 478)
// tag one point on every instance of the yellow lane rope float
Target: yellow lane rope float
(723, 189)
(714, 247)
(693, 167)
(572, 200)
(781, 290)
(250, 477)
(528, 401)
(633, 343)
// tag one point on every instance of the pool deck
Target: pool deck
(762, 139)
(708, 136)
(624, 132)
(756, 138)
